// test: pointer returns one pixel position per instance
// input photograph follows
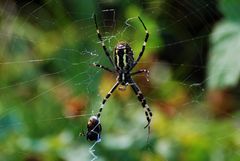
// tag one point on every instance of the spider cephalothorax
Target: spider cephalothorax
(123, 65)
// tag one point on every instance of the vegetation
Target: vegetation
(48, 88)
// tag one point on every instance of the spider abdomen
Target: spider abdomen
(123, 57)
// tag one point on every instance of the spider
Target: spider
(123, 65)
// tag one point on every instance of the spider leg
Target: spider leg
(102, 67)
(143, 47)
(102, 42)
(106, 98)
(141, 71)
(142, 99)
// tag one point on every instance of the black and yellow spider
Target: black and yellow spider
(123, 64)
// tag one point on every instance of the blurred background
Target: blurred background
(48, 88)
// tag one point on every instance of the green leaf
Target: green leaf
(230, 9)
(224, 63)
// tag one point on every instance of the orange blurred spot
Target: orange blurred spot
(221, 102)
(75, 106)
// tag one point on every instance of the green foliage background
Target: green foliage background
(48, 89)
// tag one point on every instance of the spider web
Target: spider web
(49, 89)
